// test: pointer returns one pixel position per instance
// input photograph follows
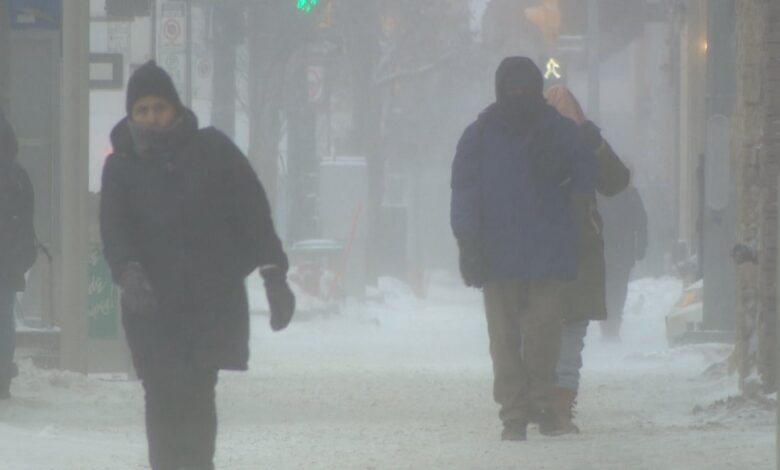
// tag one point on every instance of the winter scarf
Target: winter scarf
(151, 141)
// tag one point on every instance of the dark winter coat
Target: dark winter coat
(197, 220)
(512, 193)
(18, 244)
(586, 297)
(625, 229)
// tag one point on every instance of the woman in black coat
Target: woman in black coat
(18, 246)
(184, 219)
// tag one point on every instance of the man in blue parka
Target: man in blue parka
(513, 177)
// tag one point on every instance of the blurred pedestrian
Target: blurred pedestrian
(585, 298)
(18, 246)
(513, 177)
(625, 234)
(184, 220)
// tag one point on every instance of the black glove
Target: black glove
(137, 295)
(591, 136)
(471, 267)
(281, 299)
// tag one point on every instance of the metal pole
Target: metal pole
(594, 38)
(153, 29)
(72, 263)
(188, 53)
(5, 53)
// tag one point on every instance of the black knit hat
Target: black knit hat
(151, 80)
(520, 71)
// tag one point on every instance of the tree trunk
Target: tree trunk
(266, 90)
(757, 148)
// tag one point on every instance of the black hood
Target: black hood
(521, 71)
(519, 95)
(9, 148)
(122, 138)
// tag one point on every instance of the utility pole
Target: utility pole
(5, 53)
(188, 52)
(153, 29)
(71, 267)
(594, 56)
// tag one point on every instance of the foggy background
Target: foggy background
(350, 111)
(386, 91)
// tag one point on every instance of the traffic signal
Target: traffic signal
(547, 17)
(306, 6)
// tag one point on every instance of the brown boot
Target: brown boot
(564, 403)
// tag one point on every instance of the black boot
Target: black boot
(514, 431)
(548, 422)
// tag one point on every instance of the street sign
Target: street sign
(172, 32)
(172, 44)
(35, 14)
(173, 24)
(119, 37)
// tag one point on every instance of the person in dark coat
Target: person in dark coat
(513, 177)
(625, 237)
(18, 246)
(584, 299)
(184, 220)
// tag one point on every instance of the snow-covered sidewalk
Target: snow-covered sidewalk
(406, 384)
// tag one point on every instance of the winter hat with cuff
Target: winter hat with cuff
(151, 80)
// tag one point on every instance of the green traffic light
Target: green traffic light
(307, 5)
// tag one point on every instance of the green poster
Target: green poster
(102, 297)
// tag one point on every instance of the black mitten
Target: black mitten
(471, 266)
(281, 299)
(137, 295)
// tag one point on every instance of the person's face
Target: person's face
(153, 111)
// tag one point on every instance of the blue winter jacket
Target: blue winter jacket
(512, 194)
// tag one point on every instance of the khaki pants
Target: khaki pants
(525, 334)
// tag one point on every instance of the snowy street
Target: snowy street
(406, 384)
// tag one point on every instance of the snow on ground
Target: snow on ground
(406, 384)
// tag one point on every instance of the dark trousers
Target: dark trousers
(617, 279)
(7, 338)
(181, 416)
(524, 325)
